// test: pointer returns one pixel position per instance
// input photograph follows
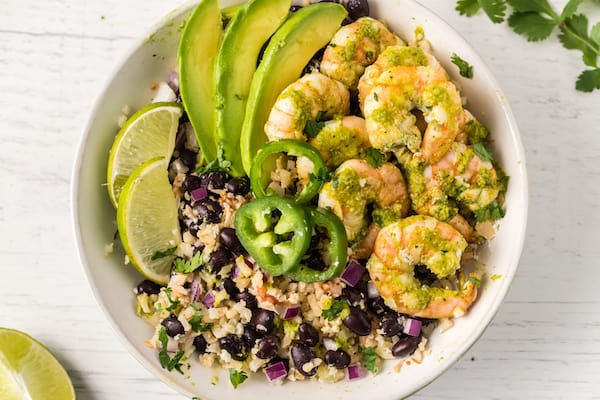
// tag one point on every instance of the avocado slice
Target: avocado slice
(196, 58)
(286, 55)
(244, 37)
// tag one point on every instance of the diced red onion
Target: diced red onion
(329, 343)
(209, 299)
(276, 371)
(195, 290)
(412, 327)
(289, 311)
(353, 272)
(235, 272)
(372, 291)
(199, 194)
(356, 371)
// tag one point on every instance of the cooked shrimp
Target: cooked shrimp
(357, 184)
(313, 96)
(354, 47)
(420, 240)
(342, 139)
(390, 123)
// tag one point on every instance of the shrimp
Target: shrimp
(390, 123)
(313, 96)
(341, 139)
(420, 240)
(355, 185)
(354, 47)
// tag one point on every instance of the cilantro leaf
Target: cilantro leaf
(218, 164)
(164, 253)
(588, 80)
(595, 34)
(173, 303)
(464, 68)
(538, 6)
(482, 152)
(495, 9)
(533, 26)
(336, 307)
(492, 212)
(468, 7)
(570, 9)
(196, 322)
(322, 175)
(373, 157)
(236, 377)
(167, 362)
(188, 266)
(313, 128)
(370, 359)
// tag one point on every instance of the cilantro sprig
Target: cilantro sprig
(370, 359)
(537, 20)
(167, 362)
(188, 266)
(464, 68)
(237, 377)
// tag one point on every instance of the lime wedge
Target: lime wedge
(148, 133)
(147, 219)
(29, 371)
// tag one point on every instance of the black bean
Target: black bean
(308, 334)
(315, 261)
(219, 258)
(231, 288)
(352, 295)
(191, 182)
(250, 336)
(209, 210)
(377, 306)
(337, 358)
(405, 346)
(148, 287)
(194, 227)
(229, 239)
(357, 9)
(390, 325)
(302, 354)
(358, 321)
(295, 8)
(235, 346)
(268, 347)
(188, 158)
(424, 275)
(249, 299)
(215, 179)
(238, 186)
(200, 344)
(173, 326)
(263, 321)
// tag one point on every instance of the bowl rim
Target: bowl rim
(124, 59)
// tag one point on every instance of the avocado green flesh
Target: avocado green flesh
(197, 54)
(236, 62)
(286, 55)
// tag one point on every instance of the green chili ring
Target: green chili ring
(337, 248)
(275, 231)
(259, 176)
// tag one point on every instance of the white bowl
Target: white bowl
(113, 283)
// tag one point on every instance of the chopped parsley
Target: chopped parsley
(236, 377)
(336, 307)
(188, 266)
(163, 254)
(482, 152)
(464, 68)
(167, 362)
(370, 359)
(373, 157)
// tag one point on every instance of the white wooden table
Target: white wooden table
(54, 58)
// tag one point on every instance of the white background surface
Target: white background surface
(55, 55)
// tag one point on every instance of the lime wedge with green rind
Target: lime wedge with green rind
(29, 371)
(148, 133)
(147, 218)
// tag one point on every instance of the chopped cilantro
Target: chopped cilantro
(218, 164)
(322, 175)
(236, 377)
(492, 212)
(465, 69)
(336, 307)
(167, 362)
(374, 157)
(188, 266)
(313, 128)
(375, 96)
(370, 359)
(196, 322)
(475, 281)
(173, 304)
(163, 254)
(482, 152)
